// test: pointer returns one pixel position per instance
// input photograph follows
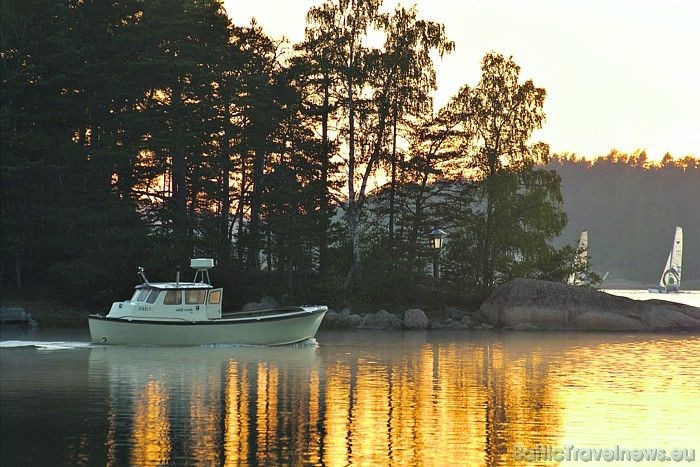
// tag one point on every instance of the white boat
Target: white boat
(580, 260)
(671, 277)
(189, 313)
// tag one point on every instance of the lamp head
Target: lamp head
(436, 237)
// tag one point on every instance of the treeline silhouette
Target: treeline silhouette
(143, 133)
(630, 208)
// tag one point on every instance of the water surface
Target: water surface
(370, 398)
(686, 297)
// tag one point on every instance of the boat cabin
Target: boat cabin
(189, 301)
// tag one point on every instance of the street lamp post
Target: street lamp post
(436, 238)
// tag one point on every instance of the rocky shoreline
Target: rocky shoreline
(521, 305)
(414, 319)
(528, 304)
(535, 305)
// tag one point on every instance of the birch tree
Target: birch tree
(500, 114)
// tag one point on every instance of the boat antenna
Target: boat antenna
(142, 275)
(177, 277)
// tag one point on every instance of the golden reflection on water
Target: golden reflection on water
(204, 427)
(312, 454)
(236, 414)
(151, 426)
(337, 420)
(635, 394)
(266, 413)
(424, 402)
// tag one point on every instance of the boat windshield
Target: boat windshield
(153, 296)
(142, 295)
(146, 295)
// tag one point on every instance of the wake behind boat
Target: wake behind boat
(189, 313)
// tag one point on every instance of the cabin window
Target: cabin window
(153, 296)
(172, 297)
(215, 297)
(135, 296)
(142, 295)
(195, 297)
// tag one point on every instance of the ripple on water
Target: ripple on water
(374, 398)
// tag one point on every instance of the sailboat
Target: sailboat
(671, 277)
(581, 259)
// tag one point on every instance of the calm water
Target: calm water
(372, 399)
(686, 297)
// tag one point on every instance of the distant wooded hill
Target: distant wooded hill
(630, 209)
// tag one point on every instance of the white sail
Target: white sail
(581, 259)
(666, 268)
(583, 247)
(671, 277)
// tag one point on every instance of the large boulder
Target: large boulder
(331, 319)
(534, 304)
(348, 319)
(437, 324)
(415, 319)
(382, 319)
(454, 313)
(343, 320)
(458, 325)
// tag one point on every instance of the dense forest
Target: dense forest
(630, 208)
(143, 133)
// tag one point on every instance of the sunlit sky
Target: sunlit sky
(619, 74)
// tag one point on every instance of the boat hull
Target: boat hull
(264, 329)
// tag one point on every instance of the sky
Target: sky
(621, 74)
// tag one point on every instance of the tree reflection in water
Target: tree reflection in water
(403, 399)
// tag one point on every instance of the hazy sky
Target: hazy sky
(618, 73)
